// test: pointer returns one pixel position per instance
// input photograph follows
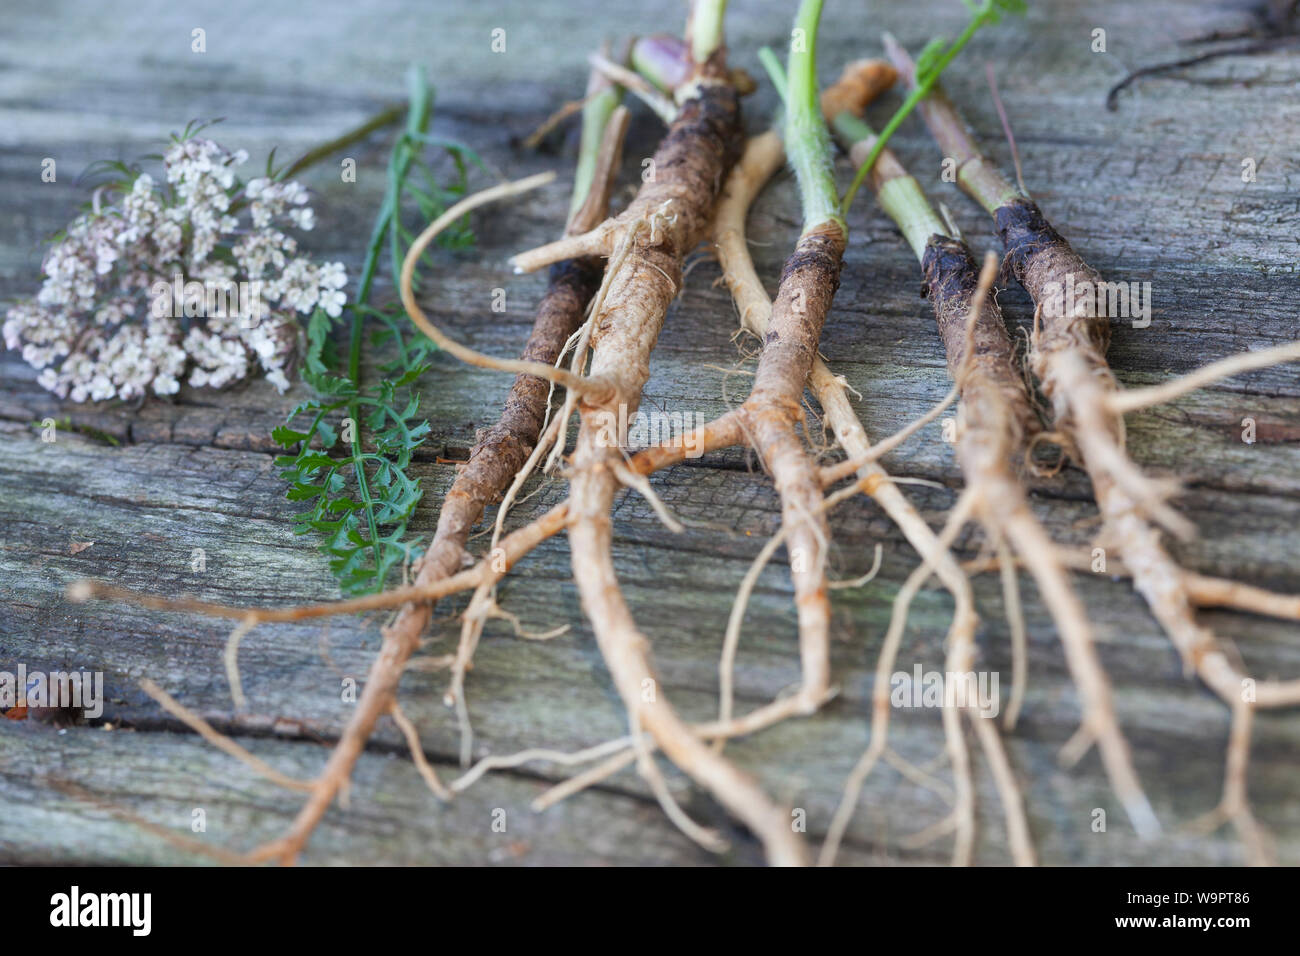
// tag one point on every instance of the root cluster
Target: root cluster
(612, 282)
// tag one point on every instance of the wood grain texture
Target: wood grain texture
(1150, 193)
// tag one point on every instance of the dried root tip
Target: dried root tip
(1205, 591)
(860, 83)
(597, 242)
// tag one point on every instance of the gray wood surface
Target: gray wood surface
(1149, 193)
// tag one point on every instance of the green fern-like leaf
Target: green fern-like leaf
(350, 448)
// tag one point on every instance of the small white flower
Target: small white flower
(80, 329)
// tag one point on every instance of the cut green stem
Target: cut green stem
(807, 142)
(603, 97)
(900, 195)
(705, 28)
(987, 12)
(975, 174)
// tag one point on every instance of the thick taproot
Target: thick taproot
(503, 449)
(951, 281)
(808, 284)
(1062, 285)
(675, 206)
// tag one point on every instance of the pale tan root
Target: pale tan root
(1206, 591)
(1202, 590)
(1166, 587)
(594, 482)
(961, 660)
(1234, 806)
(218, 739)
(868, 576)
(1101, 442)
(795, 476)
(1019, 640)
(513, 547)
(488, 764)
(764, 154)
(231, 660)
(598, 242)
(626, 652)
(427, 773)
(588, 778)
(467, 355)
(1122, 401)
(922, 775)
(731, 640)
(1004, 777)
(624, 754)
(1157, 576)
(880, 704)
(830, 474)
(650, 773)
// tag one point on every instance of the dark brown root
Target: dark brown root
(763, 157)
(690, 165)
(1069, 358)
(999, 416)
(771, 415)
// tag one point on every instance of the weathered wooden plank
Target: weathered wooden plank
(525, 694)
(391, 818)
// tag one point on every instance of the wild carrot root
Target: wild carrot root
(845, 102)
(518, 437)
(1071, 335)
(763, 156)
(997, 419)
(647, 245)
(792, 327)
(690, 164)
(770, 416)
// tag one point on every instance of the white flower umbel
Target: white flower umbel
(101, 328)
